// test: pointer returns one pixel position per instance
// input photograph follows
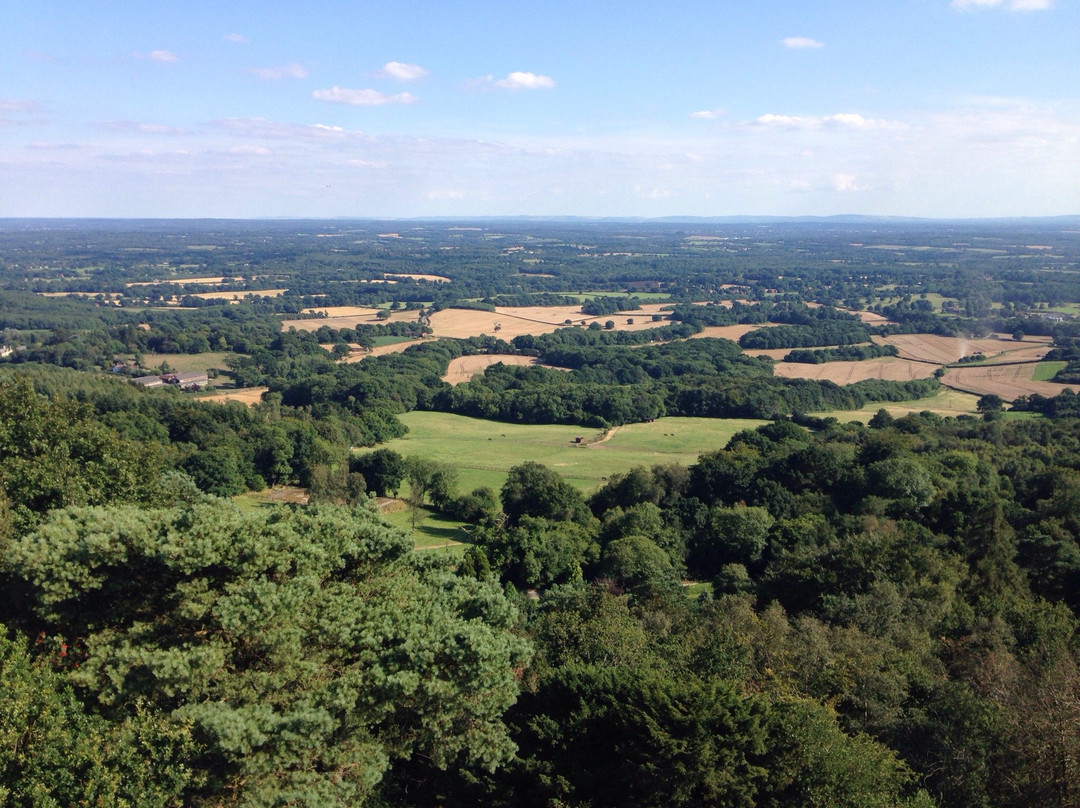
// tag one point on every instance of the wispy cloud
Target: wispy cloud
(239, 39)
(1011, 5)
(279, 130)
(21, 105)
(400, 71)
(140, 128)
(362, 98)
(258, 151)
(801, 42)
(841, 120)
(160, 56)
(708, 114)
(289, 71)
(13, 110)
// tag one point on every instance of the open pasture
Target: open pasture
(188, 363)
(1007, 381)
(484, 451)
(888, 368)
(947, 403)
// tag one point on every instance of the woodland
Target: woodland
(832, 610)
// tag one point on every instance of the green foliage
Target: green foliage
(617, 737)
(306, 650)
(54, 454)
(53, 752)
(532, 489)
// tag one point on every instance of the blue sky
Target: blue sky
(913, 107)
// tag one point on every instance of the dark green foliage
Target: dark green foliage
(382, 470)
(304, 650)
(53, 752)
(616, 737)
(845, 353)
(532, 489)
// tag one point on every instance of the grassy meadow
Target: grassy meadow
(947, 403)
(483, 451)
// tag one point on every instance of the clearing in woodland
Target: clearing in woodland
(484, 451)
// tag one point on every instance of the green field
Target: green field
(434, 532)
(188, 363)
(483, 451)
(1045, 371)
(947, 402)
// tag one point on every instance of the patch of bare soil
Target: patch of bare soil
(245, 395)
(289, 494)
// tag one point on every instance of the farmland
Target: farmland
(483, 451)
(888, 368)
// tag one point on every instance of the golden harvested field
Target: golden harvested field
(245, 395)
(731, 332)
(347, 317)
(214, 281)
(872, 317)
(514, 321)
(465, 368)
(239, 295)
(1007, 381)
(417, 276)
(359, 355)
(888, 368)
(943, 350)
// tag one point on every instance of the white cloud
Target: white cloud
(519, 80)
(400, 71)
(239, 39)
(159, 56)
(260, 151)
(708, 114)
(841, 120)
(362, 98)
(289, 71)
(1012, 5)
(801, 42)
(844, 182)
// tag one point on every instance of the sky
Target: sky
(368, 108)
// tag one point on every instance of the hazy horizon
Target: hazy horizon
(924, 109)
